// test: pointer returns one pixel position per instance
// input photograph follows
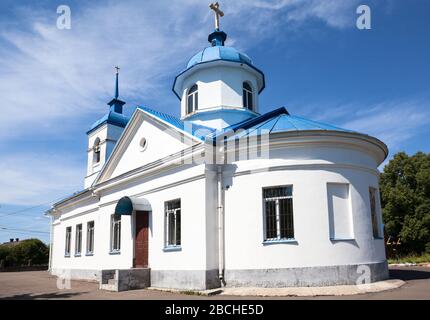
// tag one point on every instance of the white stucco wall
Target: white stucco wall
(308, 164)
(219, 87)
(102, 259)
(161, 142)
(192, 256)
(244, 224)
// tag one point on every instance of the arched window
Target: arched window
(96, 149)
(247, 96)
(192, 99)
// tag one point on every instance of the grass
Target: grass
(425, 257)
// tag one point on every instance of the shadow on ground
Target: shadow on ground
(52, 295)
(409, 274)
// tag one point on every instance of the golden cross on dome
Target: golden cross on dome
(218, 13)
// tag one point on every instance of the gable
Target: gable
(131, 152)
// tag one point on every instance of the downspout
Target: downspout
(50, 244)
(220, 227)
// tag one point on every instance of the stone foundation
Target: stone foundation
(127, 279)
(307, 277)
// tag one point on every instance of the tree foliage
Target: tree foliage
(31, 251)
(405, 199)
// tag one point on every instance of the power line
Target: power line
(30, 208)
(22, 230)
(25, 209)
(23, 233)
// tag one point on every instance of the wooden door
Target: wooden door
(141, 241)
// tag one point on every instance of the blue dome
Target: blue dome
(219, 53)
(112, 117)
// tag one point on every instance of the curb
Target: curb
(342, 290)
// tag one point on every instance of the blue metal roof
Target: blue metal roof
(196, 130)
(112, 117)
(278, 120)
(219, 53)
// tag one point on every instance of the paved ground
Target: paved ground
(40, 285)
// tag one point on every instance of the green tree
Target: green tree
(405, 199)
(31, 250)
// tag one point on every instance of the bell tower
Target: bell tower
(103, 135)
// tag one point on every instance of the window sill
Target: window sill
(172, 248)
(89, 254)
(115, 252)
(77, 255)
(342, 239)
(67, 256)
(280, 241)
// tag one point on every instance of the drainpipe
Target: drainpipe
(220, 227)
(51, 229)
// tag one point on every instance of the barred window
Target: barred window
(278, 211)
(173, 222)
(68, 241)
(78, 240)
(90, 237)
(115, 233)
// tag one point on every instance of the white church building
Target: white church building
(223, 195)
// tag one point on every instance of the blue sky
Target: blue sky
(55, 83)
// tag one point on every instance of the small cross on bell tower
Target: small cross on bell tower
(116, 104)
(116, 82)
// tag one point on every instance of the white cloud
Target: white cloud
(392, 122)
(50, 74)
(32, 179)
(52, 79)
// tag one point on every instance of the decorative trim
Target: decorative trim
(233, 63)
(137, 117)
(167, 186)
(79, 214)
(220, 108)
(307, 167)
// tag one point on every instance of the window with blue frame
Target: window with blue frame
(68, 241)
(193, 99)
(278, 213)
(173, 223)
(115, 233)
(78, 240)
(247, 96)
